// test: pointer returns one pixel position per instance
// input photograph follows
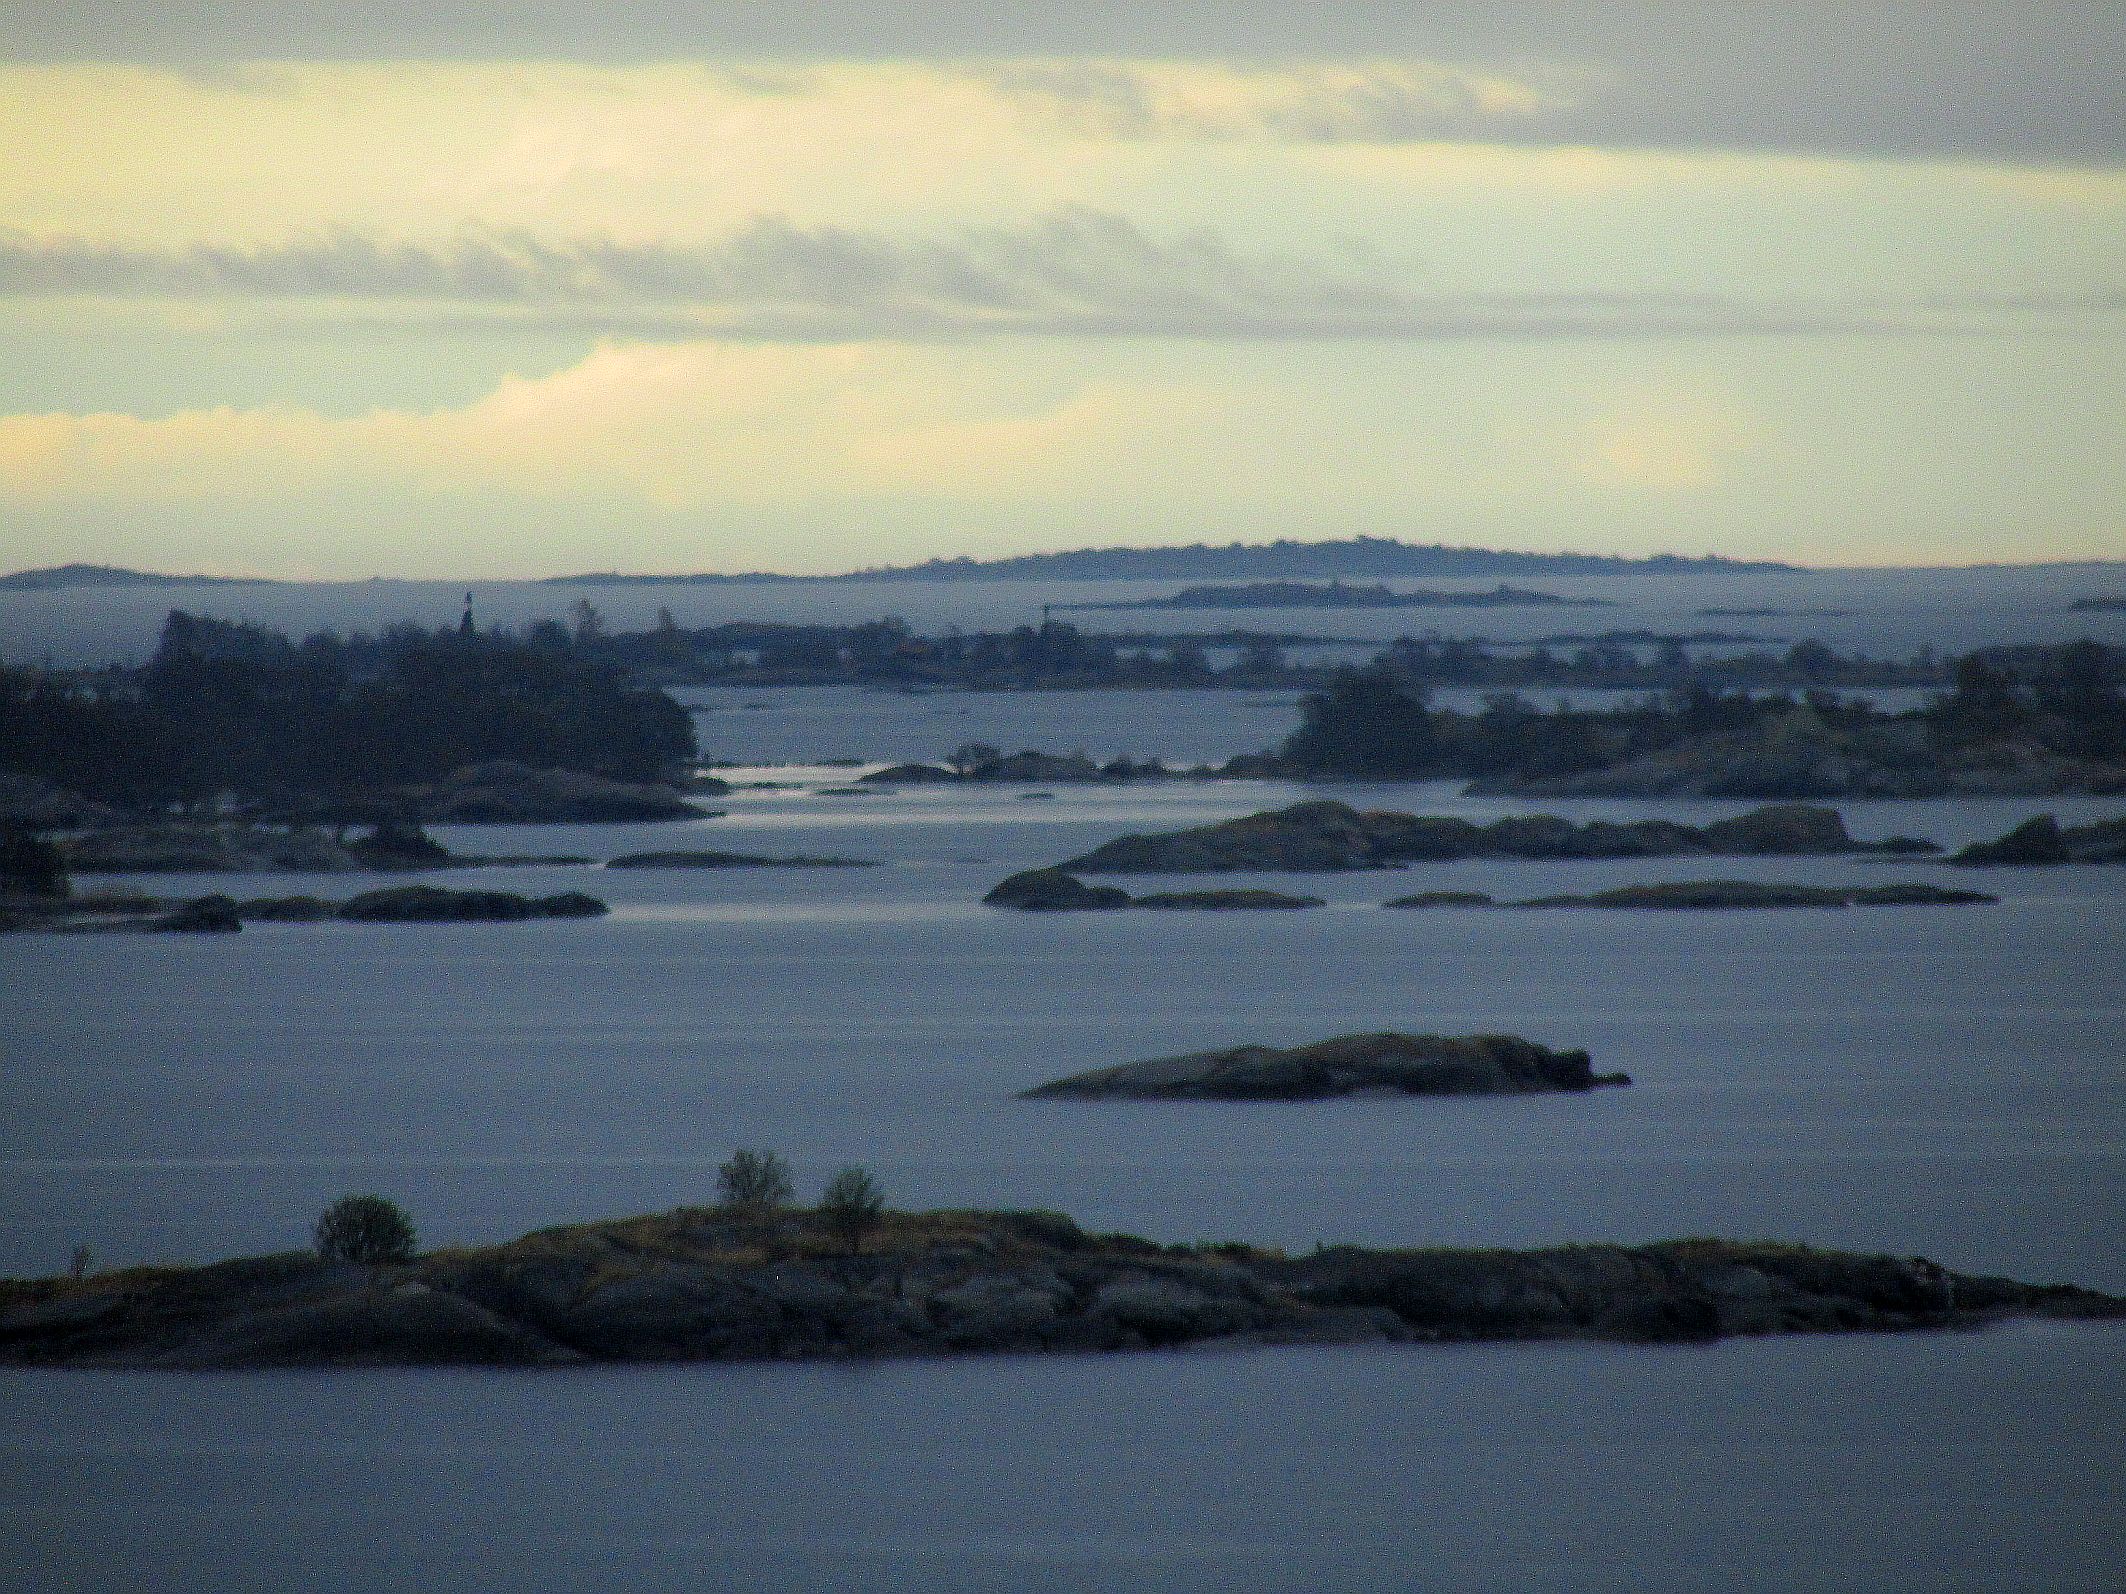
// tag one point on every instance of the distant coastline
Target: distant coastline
(61, 578)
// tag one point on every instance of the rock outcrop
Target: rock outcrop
(1325, 835)
(909, 775)
(1053, 891)
(1383, 1064)
(2044, 840)
(710, 1286)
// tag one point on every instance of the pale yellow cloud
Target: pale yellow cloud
(670, 425)
(1666, 443)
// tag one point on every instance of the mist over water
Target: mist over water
(1945, 1081)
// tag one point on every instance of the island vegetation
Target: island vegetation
(2030, 719)
(361, 725)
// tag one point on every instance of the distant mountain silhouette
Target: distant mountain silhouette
(59, 577)
(1371, 557)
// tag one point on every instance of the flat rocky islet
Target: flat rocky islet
(1055, 891)
(244, 847)
(1716, 894)
(733, 860)
(1325, 835)
(1384, 1063)
(126, 912)
(708, 1285)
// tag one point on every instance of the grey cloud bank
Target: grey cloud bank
(2041, 82)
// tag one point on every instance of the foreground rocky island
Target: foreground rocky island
(1383, 1064)
(1326, 836)
(711, 1285)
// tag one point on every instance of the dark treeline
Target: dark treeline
(2062, 702)
(1057, 655)
(236, 707)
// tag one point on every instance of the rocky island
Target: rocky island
(703, 1284)
(1383, 1064)
(1330, 836)
(2044, 840)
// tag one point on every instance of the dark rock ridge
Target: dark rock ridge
(1222, 901)
(1054, 891)
(732, 860)
(434, 905)
(699, 1285)
(1326, 835)
(1801, 754)
(1383, 1064)
(2044, 840)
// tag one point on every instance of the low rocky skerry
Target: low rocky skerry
(707, 1285)
(1327, 836)
(1687, 895)
(1384, 1063)
(1054, 891)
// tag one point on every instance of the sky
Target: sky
(502, 288)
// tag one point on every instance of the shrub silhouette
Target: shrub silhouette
(852, 1205)
(754, 1181)
(364, 1228)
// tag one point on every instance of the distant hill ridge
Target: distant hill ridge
(59, 577)
(1371, 557)
(1361, 556)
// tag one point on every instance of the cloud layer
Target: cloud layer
(2023, 80)
(1073, 272)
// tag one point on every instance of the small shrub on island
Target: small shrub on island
(754, 1182)
(366, 1229)
(853, 1206)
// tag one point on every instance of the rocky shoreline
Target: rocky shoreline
(1332, 836)
(702, 1284)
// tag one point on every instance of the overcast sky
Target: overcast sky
(448, 288)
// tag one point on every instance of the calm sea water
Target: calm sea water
(1943, 1464)
(1945, 1081)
